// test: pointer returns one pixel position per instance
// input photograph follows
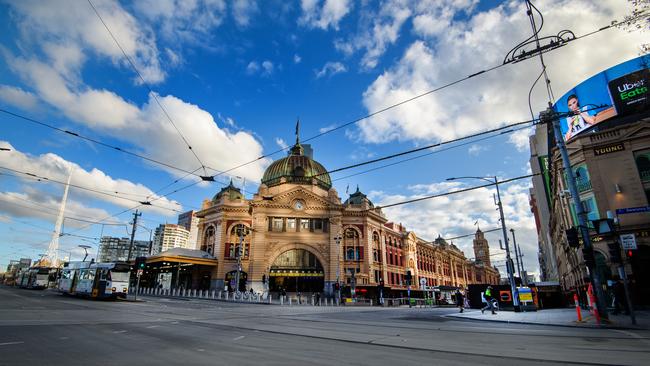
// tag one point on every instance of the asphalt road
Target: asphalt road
(44, 328)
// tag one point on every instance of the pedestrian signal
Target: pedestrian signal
(140, 262)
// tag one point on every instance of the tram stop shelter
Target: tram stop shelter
(180, 268)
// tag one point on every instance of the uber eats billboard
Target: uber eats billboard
(624, 89)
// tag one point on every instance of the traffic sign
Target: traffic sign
(628, 241)
(629, 210)
(140, 272)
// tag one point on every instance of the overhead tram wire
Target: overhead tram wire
(450, 193)
(428, 154)
(393, 155)
(113, 147)
(98, 142)
(506, 62)
(151, 91)
(145, 203)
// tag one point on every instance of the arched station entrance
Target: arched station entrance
(296, 270)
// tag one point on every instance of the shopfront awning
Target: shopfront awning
(182, 255)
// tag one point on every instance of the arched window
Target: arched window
(208, 240)
(353, 249)
(376, 248)
(239, 232)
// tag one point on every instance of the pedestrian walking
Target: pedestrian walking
(488, 299)
(460, 300)
(619, 298)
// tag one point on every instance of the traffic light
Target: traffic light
(572, 237)
(140, 262)
(589, 258)
(629, 253)
(408, 278)
(614, 252)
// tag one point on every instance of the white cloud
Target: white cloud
(281, 143)
(243, 10)
(378, 30)
(455, 215)
(148, 128)
(56, 168)
(520, 139)
(476, 149)
(330, 69)
(328, 15)
(17, 97)
(297, 59)
(188, 21)
(252, 68)
(488, 100)
(268, 67)
(65, 27)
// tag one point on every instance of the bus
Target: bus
(95, 280)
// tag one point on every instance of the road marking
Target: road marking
(238, 338)
(200, 349)
(633, 335)
(120, 331)
(153, 326)
(63, 338)
(10, 343)
(174, 322)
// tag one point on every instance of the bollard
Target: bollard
(575, 300)
(270, 299)
(214, 292)
(281, 300)
(370, 302)
(289, 301)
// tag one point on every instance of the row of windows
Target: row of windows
(293, 224)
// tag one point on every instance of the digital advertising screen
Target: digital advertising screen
(622, 89)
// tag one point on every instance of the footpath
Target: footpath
(559, 317)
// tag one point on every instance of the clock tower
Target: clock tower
(481, 248)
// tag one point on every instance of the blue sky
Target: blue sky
(235, 75)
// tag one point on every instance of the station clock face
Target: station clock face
(299, 205)
(481, 252)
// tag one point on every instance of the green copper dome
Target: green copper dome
(298, 169)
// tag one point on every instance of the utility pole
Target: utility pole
(135, 223)
(517, 256)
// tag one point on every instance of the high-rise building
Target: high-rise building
(190, 222)
(168, 236)
(112, 249)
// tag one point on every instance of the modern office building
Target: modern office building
(190, 222)
(113, 249)
(169, 236)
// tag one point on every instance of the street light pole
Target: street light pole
(517, 256)
(337, 239)
(509, 263)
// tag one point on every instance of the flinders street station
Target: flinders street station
(297, 235)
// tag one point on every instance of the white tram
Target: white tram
(35, 278)
(96, 280)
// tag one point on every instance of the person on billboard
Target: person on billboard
(578, 120)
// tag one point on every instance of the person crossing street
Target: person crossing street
(488, 298)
